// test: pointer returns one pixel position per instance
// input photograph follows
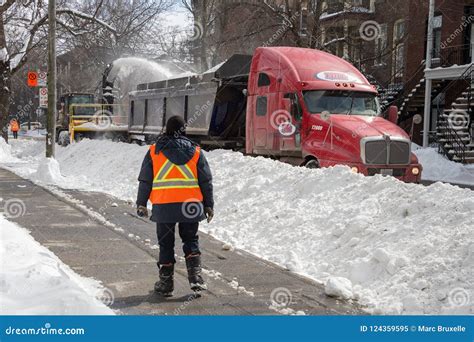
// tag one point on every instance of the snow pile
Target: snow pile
(34, 133)
(5, 152)
(437, 167)
(33, 281)
(48, 172)
(390, 239)
(405, 248)
(339, 287)
(103, 165)
(3, 51)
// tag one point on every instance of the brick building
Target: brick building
(385, 39)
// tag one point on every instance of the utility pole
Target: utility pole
(428, 82)
(51, 120)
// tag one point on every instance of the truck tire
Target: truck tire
(63, 138)
(312, 164)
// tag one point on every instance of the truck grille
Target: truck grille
(382, 152)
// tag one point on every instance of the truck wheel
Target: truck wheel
(312, 164)
(63, 138)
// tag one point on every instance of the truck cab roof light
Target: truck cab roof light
(352, 85)
(338, 84)
(345, 85)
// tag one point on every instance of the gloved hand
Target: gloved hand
(209, 213)
(142, 211)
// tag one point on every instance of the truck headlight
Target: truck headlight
(355, 169)
(415, 171)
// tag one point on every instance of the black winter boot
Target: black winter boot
(165, 286)
(193, 264)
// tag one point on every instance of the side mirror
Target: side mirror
(393, 114)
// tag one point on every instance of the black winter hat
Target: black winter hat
(175, 126)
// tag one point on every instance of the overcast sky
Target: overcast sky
(178, 16)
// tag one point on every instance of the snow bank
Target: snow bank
(339, 287)
(438, 168)
(103, 165)
(5, 152)
(405, 248)
(48, 172)
(33, 281)
(390, 239)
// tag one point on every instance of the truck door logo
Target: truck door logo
(316, 128)
(281, 121)
(287, 129)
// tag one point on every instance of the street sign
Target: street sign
(43, 97)
(32, 79)
(42, 77)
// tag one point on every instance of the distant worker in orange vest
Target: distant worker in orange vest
(15, 127)
(176, 178)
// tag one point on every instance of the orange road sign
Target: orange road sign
(32, 78)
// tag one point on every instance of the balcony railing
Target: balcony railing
(452, 55)
(346, 6)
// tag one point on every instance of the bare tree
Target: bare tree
(116, 27)
(204, 13)
(89, 50)
(230, 27)
(29, 19)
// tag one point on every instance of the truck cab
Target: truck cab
(315, 109)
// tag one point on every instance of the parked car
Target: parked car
(33, 125)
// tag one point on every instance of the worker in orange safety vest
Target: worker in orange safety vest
(175, 177)
(14, 127)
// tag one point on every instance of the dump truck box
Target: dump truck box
(212, 103)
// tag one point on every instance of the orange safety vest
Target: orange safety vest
(174, 183)
(14, 126)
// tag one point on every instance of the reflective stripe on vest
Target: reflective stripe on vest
(174, 183)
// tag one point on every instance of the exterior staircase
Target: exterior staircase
(414, 102)
(454, 131)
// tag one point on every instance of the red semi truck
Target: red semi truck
(302, 106)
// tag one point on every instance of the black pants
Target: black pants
(166, 237)
(15, 135)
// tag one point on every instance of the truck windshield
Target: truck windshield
(341, 102)
(79, 101)
(82, 99)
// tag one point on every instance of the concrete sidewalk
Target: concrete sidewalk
(120, 249)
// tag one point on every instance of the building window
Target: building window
(334, 6)
(437, 26)
(261, 109)
(381, 45)
(398, 64)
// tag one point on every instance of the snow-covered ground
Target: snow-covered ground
(33, 281)
(394, 247)
(438, 168)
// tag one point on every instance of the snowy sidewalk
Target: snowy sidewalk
(119, 249)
